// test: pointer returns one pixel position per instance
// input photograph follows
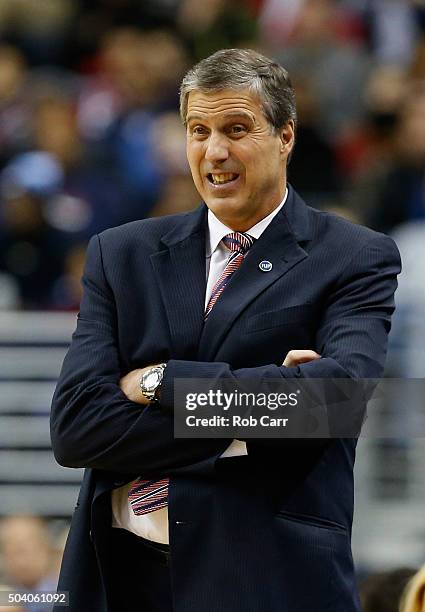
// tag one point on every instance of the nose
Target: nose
(217, 150)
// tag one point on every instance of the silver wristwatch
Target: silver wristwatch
(151, 381)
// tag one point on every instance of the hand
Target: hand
(130, 385)
(296, 357)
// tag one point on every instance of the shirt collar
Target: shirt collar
(217, 230)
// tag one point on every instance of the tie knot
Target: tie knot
(238, 241)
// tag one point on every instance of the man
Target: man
(27, 553)
(225, 291)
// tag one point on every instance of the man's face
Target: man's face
(237, 162)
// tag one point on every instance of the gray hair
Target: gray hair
(244, 69)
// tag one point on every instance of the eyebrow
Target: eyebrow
(230, 115)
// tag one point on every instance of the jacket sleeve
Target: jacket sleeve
(93, 424)
(351, 338)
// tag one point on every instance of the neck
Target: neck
(243, 225)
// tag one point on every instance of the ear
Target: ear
(287, 136)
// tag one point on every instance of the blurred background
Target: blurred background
(90, 138)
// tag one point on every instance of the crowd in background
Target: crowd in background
(90, 137)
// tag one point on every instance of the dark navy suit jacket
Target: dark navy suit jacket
(269, 532)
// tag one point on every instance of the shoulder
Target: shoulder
(348, 239)
(145, 234)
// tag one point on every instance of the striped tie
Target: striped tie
(238, 243)
(149, 495)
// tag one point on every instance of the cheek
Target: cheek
(194, 167)
(194, 157)
(259, 167)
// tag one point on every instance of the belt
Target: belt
(148, 548)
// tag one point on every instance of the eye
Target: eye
(198, 130)
(237, 129)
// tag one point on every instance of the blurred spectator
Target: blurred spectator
(14, 106)
(118, 108)
(394, 30)
(143, 68)
(368, 153)
(333, 68)
(169, 143)
(373, 143)
(96, 18)
(31, 250)
(39, 28)
(381, 592)
(313, 169)
(178, 193)
(391, 190)
(399, 193)
(27, 552)
(67, 291)
(278, 19)
(413, 599)
(92, 197)
(216, 24)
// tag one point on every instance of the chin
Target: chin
(224, 206)
(231, 214)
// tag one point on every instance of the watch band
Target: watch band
(148, 387)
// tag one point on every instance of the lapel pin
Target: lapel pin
(265, 266)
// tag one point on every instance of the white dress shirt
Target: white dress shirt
(154, 526)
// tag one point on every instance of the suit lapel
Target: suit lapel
(181, 275)
(180, 270)
(279, 244)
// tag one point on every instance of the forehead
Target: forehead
(224, 103)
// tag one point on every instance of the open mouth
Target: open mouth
(223, 178)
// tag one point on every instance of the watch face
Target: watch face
(152, 380)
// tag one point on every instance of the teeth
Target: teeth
(219, 179)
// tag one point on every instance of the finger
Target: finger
(295, 357)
